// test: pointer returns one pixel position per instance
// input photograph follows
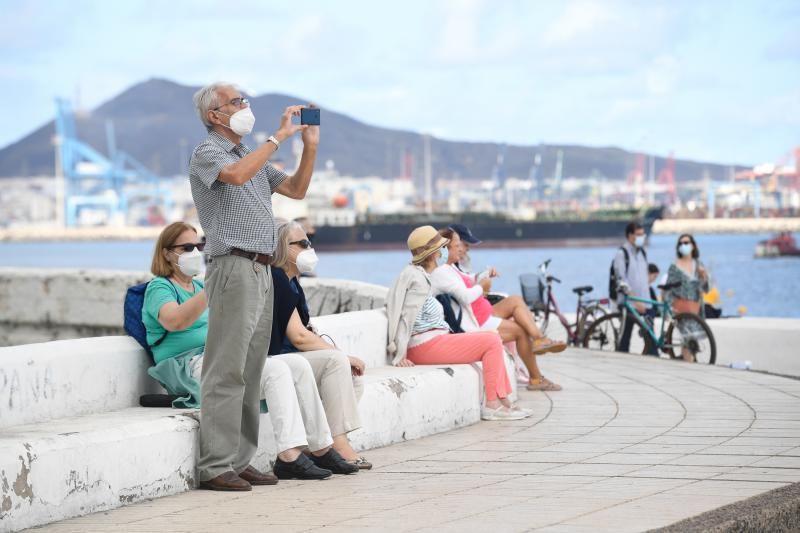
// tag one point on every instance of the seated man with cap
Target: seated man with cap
(510, 317)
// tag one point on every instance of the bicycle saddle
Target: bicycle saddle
(669, 286)
(583, 290)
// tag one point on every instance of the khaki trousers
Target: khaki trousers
(240, 294)
(337, 389)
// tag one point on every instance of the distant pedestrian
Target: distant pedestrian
(694, 281)
(652, 275)
(631, 271)
(232, 188)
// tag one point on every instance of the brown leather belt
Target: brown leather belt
(264, 259)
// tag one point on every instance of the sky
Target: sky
(713, 80)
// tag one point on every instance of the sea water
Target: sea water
(760, 287)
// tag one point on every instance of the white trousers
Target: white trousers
(339, 390)
(290, 389)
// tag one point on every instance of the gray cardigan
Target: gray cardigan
(403, 303)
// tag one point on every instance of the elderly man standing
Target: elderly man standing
(232, 188)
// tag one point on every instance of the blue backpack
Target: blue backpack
(132, 312)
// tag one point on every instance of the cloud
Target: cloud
(459, 38)
(579, 19)
(661, 75)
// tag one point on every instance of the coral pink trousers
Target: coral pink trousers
(456, 348)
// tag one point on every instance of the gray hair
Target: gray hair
(207, 99)
(280, 257)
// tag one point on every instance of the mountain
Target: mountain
(155, 122)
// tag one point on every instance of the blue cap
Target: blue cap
(465, 234)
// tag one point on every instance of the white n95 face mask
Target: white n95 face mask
(242, 121)
(191, 263)
(307, 261)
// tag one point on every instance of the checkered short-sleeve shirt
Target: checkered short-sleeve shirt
(232, 216)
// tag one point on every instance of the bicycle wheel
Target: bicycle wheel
(603, 333)
(690, 332)
(589, 316)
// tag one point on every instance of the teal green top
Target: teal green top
(159, 292)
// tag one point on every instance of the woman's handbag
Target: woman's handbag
(684, 305)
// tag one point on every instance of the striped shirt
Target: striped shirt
(431, 316)
(232, 216)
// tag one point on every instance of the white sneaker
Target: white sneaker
(501, 413)
(523, 410)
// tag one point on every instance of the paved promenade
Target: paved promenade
(630, 444)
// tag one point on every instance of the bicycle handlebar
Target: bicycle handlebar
(553, 278)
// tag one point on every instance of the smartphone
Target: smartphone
(309, 116)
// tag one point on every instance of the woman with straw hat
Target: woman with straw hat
(419, 334)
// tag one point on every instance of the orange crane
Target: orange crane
(667, 178)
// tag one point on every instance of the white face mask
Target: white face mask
(191, 263)
(306, 261)
(242, 122)
(639, 242)
(445, 255)
(685, 249)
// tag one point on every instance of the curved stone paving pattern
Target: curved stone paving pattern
(630, 444)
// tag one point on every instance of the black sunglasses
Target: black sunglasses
(189, 246)
(305, 243)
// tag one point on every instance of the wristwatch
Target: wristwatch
(273, 140)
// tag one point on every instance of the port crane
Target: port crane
(88, 181)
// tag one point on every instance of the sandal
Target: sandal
(544, 345)
(362, 463)
(543, 384)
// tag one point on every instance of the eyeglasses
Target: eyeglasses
(189, 246)
(684, 242)
(305, 243)
(236, 102)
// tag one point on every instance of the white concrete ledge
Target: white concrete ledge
(74, 466)
(73, 440)
(39, 382)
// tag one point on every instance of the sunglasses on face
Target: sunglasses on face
(305, 243)
(189, 246)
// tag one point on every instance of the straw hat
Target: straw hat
(424, 241)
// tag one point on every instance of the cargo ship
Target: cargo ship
(591, 228)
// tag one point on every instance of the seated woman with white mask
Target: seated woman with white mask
(338, 375)
(175, 314)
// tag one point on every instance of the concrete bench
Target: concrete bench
(74, 441)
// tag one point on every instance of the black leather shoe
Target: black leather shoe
(300, 468)
(334, 462)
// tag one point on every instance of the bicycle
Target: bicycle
(537, 291)
(683, 330)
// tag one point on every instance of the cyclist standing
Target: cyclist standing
(631, 270)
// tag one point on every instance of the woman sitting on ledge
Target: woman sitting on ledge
(175, 314)
(338, 375)
(510, 317)
(419, 334)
